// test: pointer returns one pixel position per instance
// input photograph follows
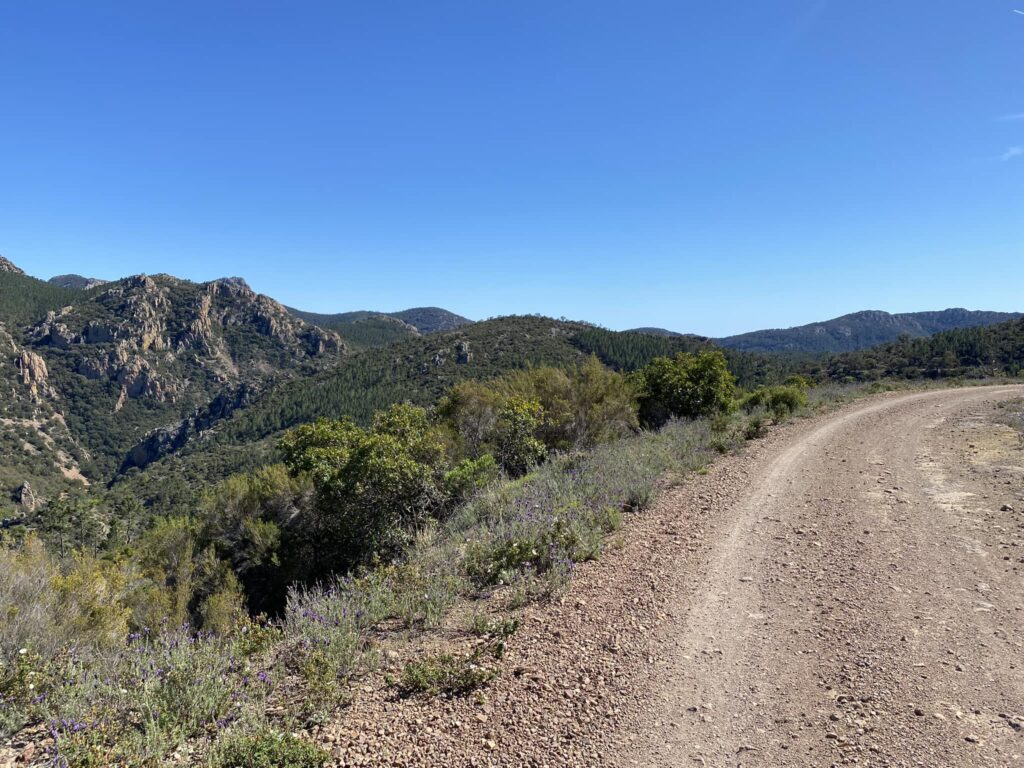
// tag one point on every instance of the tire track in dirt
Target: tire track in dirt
(796, 605)
(860, 603)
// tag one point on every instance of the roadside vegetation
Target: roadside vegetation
(231, 627)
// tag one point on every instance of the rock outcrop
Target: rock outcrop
(163, 351)
(150, 330)
(27, 498)
(7, 266)
(34, 374)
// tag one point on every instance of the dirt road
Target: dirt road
(859, 601)
(846, 591)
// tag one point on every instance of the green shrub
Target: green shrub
(579, 407)
(324, 636)
(470, 476)
(446, 674)
(158, 691)
(418, 593)
(265, 749)
(373, 487)
(780, 401)
(541, 546)
(754, 428)
(798, 381)
(687, 386)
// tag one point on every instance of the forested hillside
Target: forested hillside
(420, 370)
(24, 299)
(860, 330)
(993, 350)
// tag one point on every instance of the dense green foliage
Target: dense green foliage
(266, 749)
(570, 409)
(686, 386)
(374, 487)
(24, 300)
(632, 350)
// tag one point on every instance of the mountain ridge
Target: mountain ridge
(367, 328)
(860, 330)
(76, 282)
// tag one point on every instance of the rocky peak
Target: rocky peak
(237, 282)
(7, 266)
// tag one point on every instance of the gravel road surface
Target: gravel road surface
(847, 591)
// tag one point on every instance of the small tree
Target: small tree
(518, 449)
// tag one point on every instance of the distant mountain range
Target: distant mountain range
(848, 333)
(360, 329)
(76, 282)
(860, 330)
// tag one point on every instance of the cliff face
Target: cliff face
(40, 455)
(154, 338)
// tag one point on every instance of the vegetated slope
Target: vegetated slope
(419, 371)
(76, 282)
(988, 350)
(362, 329)
(114, 362)
(376, 329)
(23, 299)
(860, 330)
(40, 456)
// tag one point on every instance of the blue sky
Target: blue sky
(708, 167)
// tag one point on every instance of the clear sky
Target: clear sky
(704, 166)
